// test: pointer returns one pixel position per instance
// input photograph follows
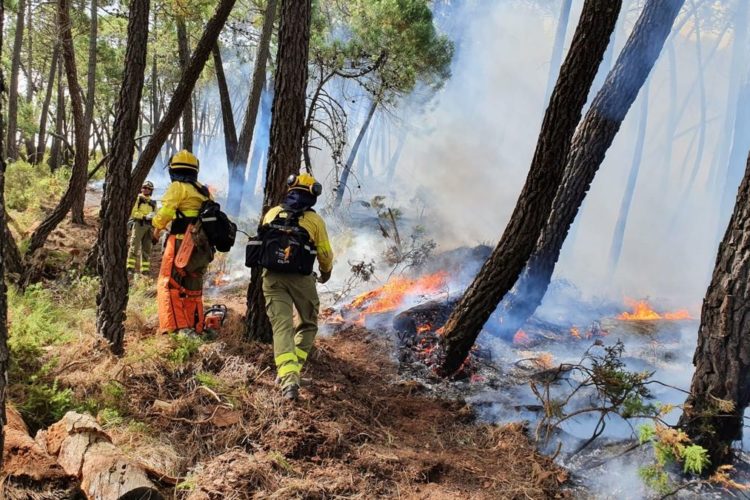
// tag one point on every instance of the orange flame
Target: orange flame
(521, 338)
(575, 332)
(642, 311)
(391, 295)
(424, 328)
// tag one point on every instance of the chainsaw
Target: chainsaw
(215, 316)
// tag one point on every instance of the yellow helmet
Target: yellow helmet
(184, 159)
(304, 182)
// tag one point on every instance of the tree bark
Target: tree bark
(4, 353)
(180, 95)
(627, 197)
(720, 389)
(15, 65)
(589, 146)
(56, 149)
(341, 186)
(117, 203)
(41, 145)
(29, 141)
(187, 112)
(155, 105)
(77, 185)
(227, 116)
(506, 262)
(238, 171)
(287, 131)
(557, 48)
(91, 77)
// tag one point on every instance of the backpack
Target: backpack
(282, 246)
(220, 231)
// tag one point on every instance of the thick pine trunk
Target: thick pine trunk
(4, 354)
(180, 95)
(41, 145)
(287, 131)
(589, 146)
(15, 65)
(187, 112)
(627, 197)
(116, 205)
(506, 262)
(238, 171)
(77, 185)
(720, 390)
(341, 186)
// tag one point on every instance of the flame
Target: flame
(426, 327)
(521, 338)
(575, 332)
(642, 311)
(391, 295)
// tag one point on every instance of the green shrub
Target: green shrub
(184, 348)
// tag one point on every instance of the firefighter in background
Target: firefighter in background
(187, 253)
(293, 344)
(140, 231)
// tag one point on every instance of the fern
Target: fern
(695, 459)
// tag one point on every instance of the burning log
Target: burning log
(29, 471)
(85, 451)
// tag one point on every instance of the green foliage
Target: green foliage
(109, 417)
(208, 379)
(646, 433)
(656, 478)
(184, 348)
(44, 403)
(29, 187)
(695, 459)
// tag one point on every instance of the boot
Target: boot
(290, 392)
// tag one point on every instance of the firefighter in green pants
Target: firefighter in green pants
(140, 230)
(292, 343)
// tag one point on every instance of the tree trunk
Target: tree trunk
(393, 162)
(41, 145)
(187, 112)
(720, 390)
(501, 270)
(627, 197)
(29, 141)
(77, 185)
(589, 146)
(227, 116)
(155, 105)
(15, 65)
(341, 186)
(287, 131)
(56, 149)
(238, 172)
(180, 95)
(91, 77)
(260, 144)
(557, 48)
(4, 354)
(117, 203)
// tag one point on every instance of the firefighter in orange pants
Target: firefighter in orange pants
(187, 252)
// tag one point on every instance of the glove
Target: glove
(155, 236)
(324, 277)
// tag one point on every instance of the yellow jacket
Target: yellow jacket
(180, 196)
(143, 207)
(316, 228)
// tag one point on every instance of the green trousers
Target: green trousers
(140, 247)
(291, 343)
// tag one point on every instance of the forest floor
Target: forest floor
(209, 420)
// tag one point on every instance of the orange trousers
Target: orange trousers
(179, 292)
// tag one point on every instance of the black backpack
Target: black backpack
(220, 231)
(282, 246)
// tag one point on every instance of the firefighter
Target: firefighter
(140, 231)
(292, 343)
(180, 282)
